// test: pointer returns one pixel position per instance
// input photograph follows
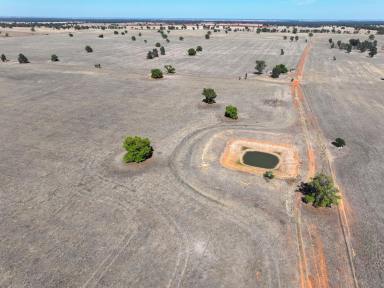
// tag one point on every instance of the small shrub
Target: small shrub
(54, 58)
(181, 38)
(156, 74)
(207, 36)
(22, 59)
(281, 51)
(162, 50)
(70, 35)
(191, 52)
(158, 45)
(133, 38)
(199, 49)
(339, 143)
(3, 58)
(170, 69)
(88, 49)
(98, 66)
(320, 191)
(101, 36)
(138, 149)
(231, 112)
(269, 175)
(210, 95)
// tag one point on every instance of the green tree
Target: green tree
(133, 38)
(210, 95)
(199, 49)
(138, 149)
(191, 52)
(170, 69)
(181, 38)
(339, 142)
(3, 58)
(149, 55)
(320, 191)
(231, 112)
(281, 51)
(207, 36)
(158, 45)
(88, 49)
(54, 58)
(275, 72)
(22, 59)
(310, 34)
(260, 66)
(101, 36)
(372, 51)
(162, 50)
(371, 37)
(156, 74)
(70, 35)
(269, 175)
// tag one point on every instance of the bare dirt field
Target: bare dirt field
(73, 215)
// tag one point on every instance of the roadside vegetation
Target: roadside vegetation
(279, 69)
(320, 191)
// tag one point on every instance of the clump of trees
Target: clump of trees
(191, 52)
(339, 142)
(320, 191)
(138, 149)
(54, 58)
(279, 69)
(231, 112)
(170, 69)
(362, 46)
(88, 49)
(210, 95)
(260, 66)
(22, 59)
(156, 74)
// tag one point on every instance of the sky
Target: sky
(207, 9)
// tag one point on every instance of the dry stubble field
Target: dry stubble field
(73, 216)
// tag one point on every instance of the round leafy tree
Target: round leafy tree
(339, 143)
(210, 95)
(191, 52)
(199, 49)
(88, 49)
(54, 58)
(156, 74)
(320, 192)
(22, 59)
(138, 149)
(231, 112)
(260, 66)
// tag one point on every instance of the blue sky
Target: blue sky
(238, 9)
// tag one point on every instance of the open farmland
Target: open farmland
(73, 215)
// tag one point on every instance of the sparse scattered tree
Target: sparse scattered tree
(231, 112)
(88, 49)
(158, 45)
(278, 69)
(281, 51)
(181, 38)
(133, 38)
(155, 52)
(199, 49)
(269, 175)
(320, 191)
(3, 58)
(339, 143)
(70, 35)
(191, 52)
(260, 66)
(98, 66)
(149, 55)
(22, 59)
(170, 69)
(207, 36)
(156, 74)
(310, 34)
(54, 58)
(371, 37)
(138, 149)
(162, 50)
(296, 38)
(116, 32)
(101, 36)
(372, 51)
(210, 95)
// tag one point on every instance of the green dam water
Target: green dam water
(260, 159)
